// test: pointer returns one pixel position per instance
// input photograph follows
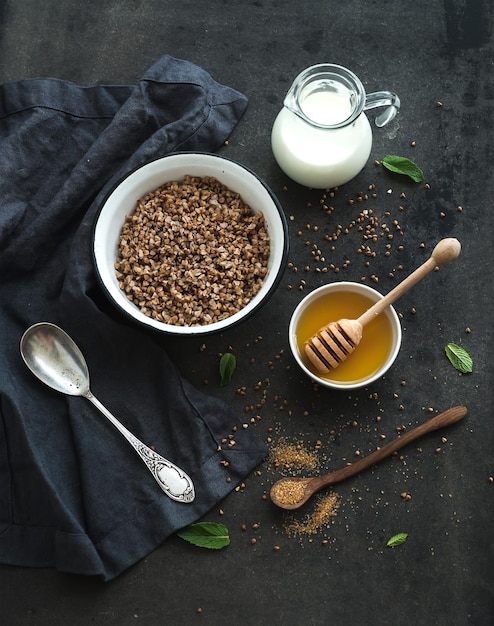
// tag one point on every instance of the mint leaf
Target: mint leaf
(459, 358)
(397, 540)
(206, 535)
(228, 363)
(402, 165)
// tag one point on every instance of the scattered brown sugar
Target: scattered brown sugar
(288, 455)
(289, 491)
(326, 508)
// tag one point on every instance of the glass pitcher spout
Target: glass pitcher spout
(386, 99)
(326, 96)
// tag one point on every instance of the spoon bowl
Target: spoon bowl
(56, 360)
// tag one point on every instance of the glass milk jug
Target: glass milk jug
(322, 137)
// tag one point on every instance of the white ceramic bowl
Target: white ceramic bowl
(122, 202)
(338, 290)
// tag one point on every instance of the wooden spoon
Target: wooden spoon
(291, 493)
(333, 343)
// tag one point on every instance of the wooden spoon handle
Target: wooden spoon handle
(439, 421)
(445, 251)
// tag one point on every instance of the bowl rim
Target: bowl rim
(390, 312)
(199, 330)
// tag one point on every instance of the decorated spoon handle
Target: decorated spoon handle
(172, 480)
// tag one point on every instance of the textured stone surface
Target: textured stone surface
(429, 53)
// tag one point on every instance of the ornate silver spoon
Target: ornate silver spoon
(56, 360)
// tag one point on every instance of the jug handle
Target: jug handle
(380, 99)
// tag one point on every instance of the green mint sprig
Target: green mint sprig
(228, 363)
(459, 358)
(397, 540)
(402, 165)
(206, 535)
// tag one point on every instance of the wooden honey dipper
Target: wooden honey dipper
(333, 343)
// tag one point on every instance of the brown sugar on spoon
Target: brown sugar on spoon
(289, 492)
(333, 343)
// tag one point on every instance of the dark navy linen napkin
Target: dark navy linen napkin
(73, 493)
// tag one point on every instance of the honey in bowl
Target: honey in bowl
(347, 300)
